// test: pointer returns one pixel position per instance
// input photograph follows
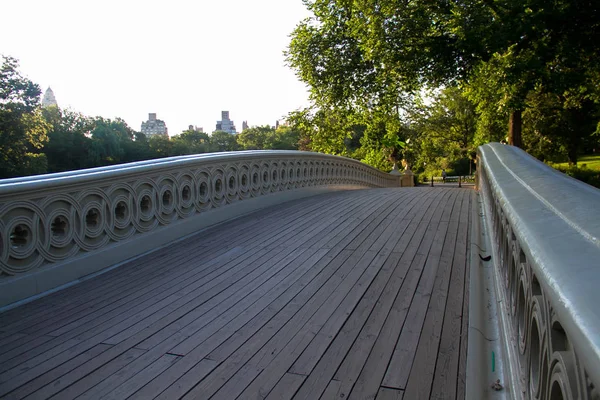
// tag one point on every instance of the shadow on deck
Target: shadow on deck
(358, 294)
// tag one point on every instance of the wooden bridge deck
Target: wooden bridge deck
(356, 295)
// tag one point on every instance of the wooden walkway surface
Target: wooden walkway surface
(357, 294)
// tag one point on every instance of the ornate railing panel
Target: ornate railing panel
(546, 230)
(47, 220)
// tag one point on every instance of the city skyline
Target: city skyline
(188, 71)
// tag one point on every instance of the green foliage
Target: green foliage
(68, 145)
(223, 141)
(23, 130)
(589, 161)
(34, 164)
(190, 142)
(587, 175)
(364, 59)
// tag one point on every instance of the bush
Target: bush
(589, 176)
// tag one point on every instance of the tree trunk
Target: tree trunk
(515, 123)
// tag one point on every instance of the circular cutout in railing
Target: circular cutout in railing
(59, 227)
(203, 189)
(146, 204)
(20, 236)
(121, 211)
(186, 193)
(92, 219)
(167, 199)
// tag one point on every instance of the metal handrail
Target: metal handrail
(546, 230)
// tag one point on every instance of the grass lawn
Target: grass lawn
(592, 161)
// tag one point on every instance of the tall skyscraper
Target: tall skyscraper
(154, 126)
(225, 124)
(49, 99)
(244, 125)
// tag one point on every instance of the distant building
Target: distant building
(49, 99)
(154, 126)
(195, 128)
(244, 125)
(225, 124)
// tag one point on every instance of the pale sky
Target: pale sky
(185, 60)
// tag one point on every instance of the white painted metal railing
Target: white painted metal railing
(57, 228)
(546, 230)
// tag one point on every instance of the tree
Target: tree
(255, 138)
(69, 143)
(160, 146)
(190, 142)
(268, 138)
(109, 140)
(23, 130)
(283, 138)
(364, 52)
(223, 141)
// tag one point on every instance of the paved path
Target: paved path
(356, 295)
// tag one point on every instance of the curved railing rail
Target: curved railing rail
(546, 230)
(49, 220)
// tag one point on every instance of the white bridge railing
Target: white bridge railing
(545, 228)
(58, 228)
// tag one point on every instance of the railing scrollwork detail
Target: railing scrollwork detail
(51, 218)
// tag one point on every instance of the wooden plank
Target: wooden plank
(155, 353)
(214, 381)
(107, 390)
(286, 387)
(351, 368)
(374, 369)
(404, 353)
(12, 351)
(446, 368)
(57, 372)
(362, 229)
(385, 393)
(8, 339)
(91, 337)
(328, 365)
(329, 315)
(46, 357)
(202, 328)
(419, 383)
(331, 390)
(350, 288)
(225, 341)
(240, 336)
(178, 364)
(464, 336)
(309, 358)
(70, 391)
